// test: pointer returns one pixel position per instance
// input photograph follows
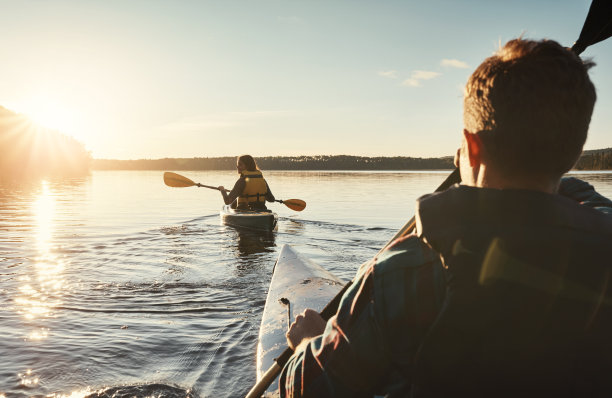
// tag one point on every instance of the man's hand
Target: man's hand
(307, 325)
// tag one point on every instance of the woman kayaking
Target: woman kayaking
(251, 190)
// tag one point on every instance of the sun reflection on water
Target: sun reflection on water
(39, 334)
(41, 291)
(28, 379)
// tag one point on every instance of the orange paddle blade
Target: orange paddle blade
(176, 180)
(295, 204)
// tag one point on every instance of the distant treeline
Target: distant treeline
(600, 159)
(339, 162)
(28, 150)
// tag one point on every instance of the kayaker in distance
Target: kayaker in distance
(251, 191)
(505, 288)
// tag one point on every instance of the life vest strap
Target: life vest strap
(253, 195)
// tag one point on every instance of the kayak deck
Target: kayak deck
(259, 220)
(297, 283)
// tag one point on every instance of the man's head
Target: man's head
(526, 112)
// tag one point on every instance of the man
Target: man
(505, 289)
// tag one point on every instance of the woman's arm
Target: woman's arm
(269, 195)
(228, 198)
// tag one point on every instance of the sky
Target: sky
(177, 78)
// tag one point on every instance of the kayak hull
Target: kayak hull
(258, 220)
(302, 284)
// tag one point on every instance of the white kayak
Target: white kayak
(264, 220)
(297, 283)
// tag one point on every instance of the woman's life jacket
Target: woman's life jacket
(255, 190)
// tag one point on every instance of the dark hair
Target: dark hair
(533, 102)
(248, 162)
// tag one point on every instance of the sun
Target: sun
(52, 117)
(55, 115)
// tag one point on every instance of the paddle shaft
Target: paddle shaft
(210, 187)
(175, 180)
(288, 204)
(331, 307)
(227, 190)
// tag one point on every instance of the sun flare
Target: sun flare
(54, 115)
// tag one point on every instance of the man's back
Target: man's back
(528, 306)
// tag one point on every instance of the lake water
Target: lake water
(115, 285)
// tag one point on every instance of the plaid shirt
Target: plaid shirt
(378, 327)
(369, 346)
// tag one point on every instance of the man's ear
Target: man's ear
(474, 147)
(457, 157)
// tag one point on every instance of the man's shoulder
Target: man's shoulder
(403, 254)
(408, 272)
(408, 251)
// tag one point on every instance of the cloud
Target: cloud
(454, 63)
(411, 82)
(419, 75)
(391, 74)
(424, 74)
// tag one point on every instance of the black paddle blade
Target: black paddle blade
(597, 26)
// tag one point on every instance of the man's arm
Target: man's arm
(583, 192)
(346, 360)
(379, 323)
